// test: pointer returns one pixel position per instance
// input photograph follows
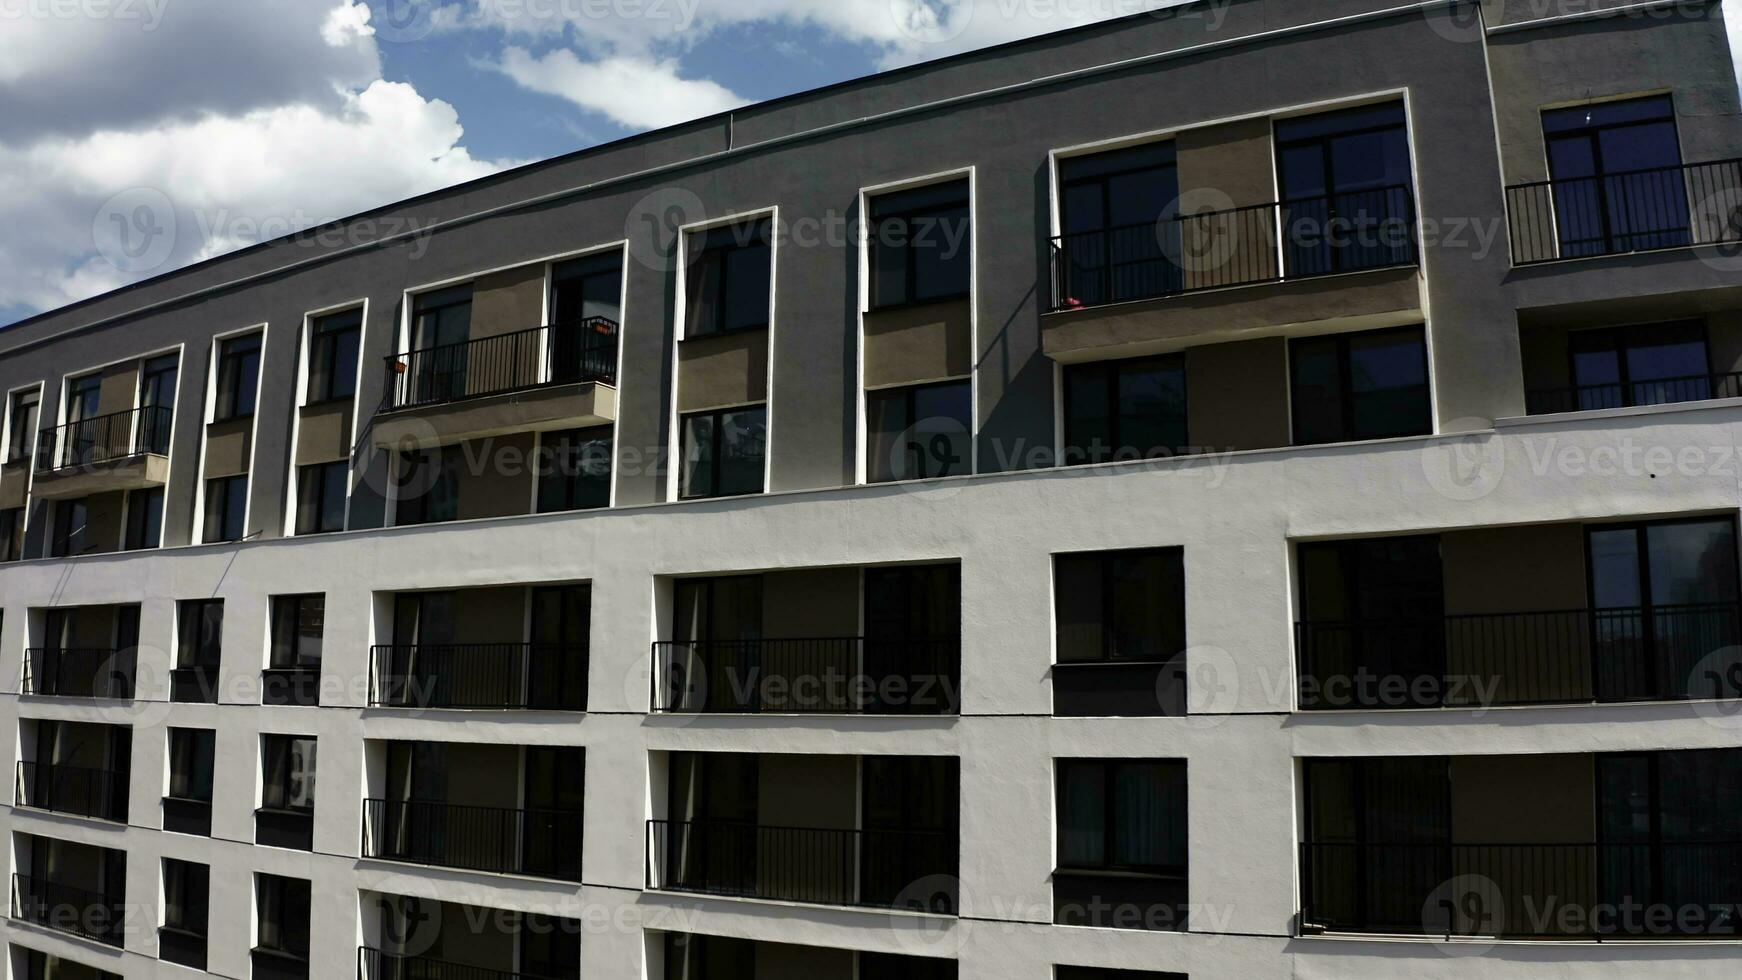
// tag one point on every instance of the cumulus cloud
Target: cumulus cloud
(637, 93)
(346, 24)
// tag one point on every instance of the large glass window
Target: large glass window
(723, 452)
(429, 486)
(200, 634)
(575, 470)
(186, 896)
(730, 272)
(226, 508)
(586, 301)
(1648, 364)
(238, 377)
(1347, 202)
(283, 906)
(332, 356)
(144, 519)
(320, 497)
(21, 423)
(191, 757)
(1370, 385)
(921, 245)
(12, 534)
(920, 432)
(1120, 605)
(441, 322)
(1132, 409)
(71, 536)
(298, 623)
(1122, 814)
(157, 380)
(1616, 168)
(288, 772)
(1120, 238)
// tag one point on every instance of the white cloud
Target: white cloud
(635, 92)
(346, 24)
(229, 181)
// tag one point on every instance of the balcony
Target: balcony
(1580, 656)
(561, 376)
(1659, 391)
(99, 793)
(120, 451)
(480, 676)
(1630, 211)
(66, 908)
(814, 865)
(833, 675)
(375, 964)
(536, 842)
(80, 673)
(1641, 846)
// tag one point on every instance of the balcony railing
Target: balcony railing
(538, 843)
(1630, 211)
(834, 675)
(100, 793)
(375, 964)
(565, 353)
(1297, 239)
(80, 673)
(1664, 653)
(104, 439)
(79, 911)
(1659, 391)
(482, 676)
(1527, 891)
(875, 868)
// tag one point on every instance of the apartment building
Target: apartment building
(1242, 492)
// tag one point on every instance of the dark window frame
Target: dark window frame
(1345, 394)
(285, 646)
(232, 390)
(1642, 546)
(185, 746)
(196, 884)
(311, 492)
(716, 442)
(278, 751)
(326, 334)
(21, 432)
(717, 245)
(1109, 600)
(190, 650)
(288, 891)
(71, 532)
(931, 201)
(910, 395)
(219, 515)
(1110, 768)
(144, 524)
(1623, 339)
(12, 524)
(1114, 373)
(561, 468)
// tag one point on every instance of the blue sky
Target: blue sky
(140, 135)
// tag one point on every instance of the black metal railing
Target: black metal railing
(1663, 653)
(66, 908)
(1658, 391)
(100, 793)
(829, 675)
(104, 439)
(564, 353)
(877, 868)
(507, 676)
(375, 964)
(1296, 239)
(80, 672)
(1580, 890)
(536, 842)
(1628, 211)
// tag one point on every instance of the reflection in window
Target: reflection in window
(1616, 168)
(288, 769)
(723, 452)
(298, 623)
(332, 356)
(1120, 240)
(729, 278)
(921, 245)
(1650, 364)
(1360, 386)
(320, 497)
(1121, 410)
(1346, 190)
(238, 377)
(919, 432)
(575, 470)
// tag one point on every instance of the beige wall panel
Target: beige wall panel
(715, 372)
(1237, 395)
(919, 343)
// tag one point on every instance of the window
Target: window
(1616, 168)
(70, 537)
(922, 246)
(575, 470)
(1346, 197)
(332, 356)
(226, 506)
(729, 278)
(1120, 234)
(587, 287)
(11, 534)
(1121, 621)
(1372, 607)
(1360, 386)
(186, 896)
(283, 915)
(920, 432)
(723, 452)
(298, 622)
(83, 396)
(21, 421)
(429, 486)
(200, 634)
(1121, 410)
(157, 380)
(238, 377)
(1125, 815)
(320, 497)
(1649, 364)
(288, 772)
(441, 323)
(191, 755)
(144, 519)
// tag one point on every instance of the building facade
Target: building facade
(1241, 492)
